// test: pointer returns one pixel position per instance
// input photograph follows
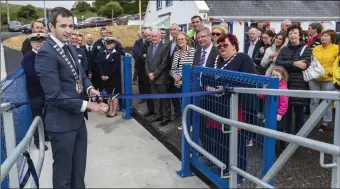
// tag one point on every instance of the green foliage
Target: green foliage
(83, 6)
(130, 7)
(112, 7)
(13, 14)
(27, 12)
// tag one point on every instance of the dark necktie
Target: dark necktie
(68, 55)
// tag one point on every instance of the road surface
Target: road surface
(12, 57)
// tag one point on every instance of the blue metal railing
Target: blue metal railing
(255, 152)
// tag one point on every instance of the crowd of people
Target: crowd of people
(51, 61)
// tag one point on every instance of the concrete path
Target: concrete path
(122, 154)
(3, 72)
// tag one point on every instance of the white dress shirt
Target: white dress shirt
(61, 45)
(207, 53)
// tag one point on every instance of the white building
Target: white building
(240, 14)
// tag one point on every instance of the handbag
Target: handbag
(314, 71)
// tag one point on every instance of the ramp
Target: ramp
(122, 154)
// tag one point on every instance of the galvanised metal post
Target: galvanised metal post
(185, 147)
(127, 86)
(271, 120)
(196, 118)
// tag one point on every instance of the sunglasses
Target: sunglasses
(216, 34)
(224, 46)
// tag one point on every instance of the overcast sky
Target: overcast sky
(49, 3)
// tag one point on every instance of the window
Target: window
(168, 2)
(159, 4)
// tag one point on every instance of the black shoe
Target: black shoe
(37, 145)
(164, 122)
(147, 114)
(155, 119)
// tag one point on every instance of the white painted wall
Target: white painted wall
(3, 72)
(181, 11)
(238, 31)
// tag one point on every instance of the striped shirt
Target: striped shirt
(177, 62)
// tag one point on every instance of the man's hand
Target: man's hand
(178, 78)
(151, 76)
(261, 50)
(107, 77)
(278, 117)
(101, 107)
(274, 54)
(89, 76)
(103, 78)
(94, 92)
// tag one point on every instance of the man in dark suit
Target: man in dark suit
(81, 53)
(37, 27)
(143, 79)
(135, 51)
(62, 77)
(253, 43)
(156, 67)
(34, 89)
(174, 30)
(206, 53)
(87, 49)
(163, 35)
(98, 49)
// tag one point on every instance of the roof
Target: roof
(283, 9)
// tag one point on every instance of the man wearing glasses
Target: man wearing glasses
(206, 54)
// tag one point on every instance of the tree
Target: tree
(98, 4)
(109, 8)
(83, 6)
(28, 12)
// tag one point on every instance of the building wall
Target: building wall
(181, 11)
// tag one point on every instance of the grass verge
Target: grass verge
(125, 34)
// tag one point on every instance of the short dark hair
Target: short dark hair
(317, 26)
(37, 21)
(295, 26)
(196, 16)
(59, 11)
(162, 29)
(80, 35)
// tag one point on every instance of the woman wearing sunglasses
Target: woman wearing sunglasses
(231, 59)
(217, 32)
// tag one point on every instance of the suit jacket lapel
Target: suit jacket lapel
(74, 55)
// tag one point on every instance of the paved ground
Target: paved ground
(301, 171)
(122, 154)
(12, 57)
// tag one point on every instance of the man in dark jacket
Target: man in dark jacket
(143, 80)
(81, 54)
(34, 89)
(37, 27)
(314, 30)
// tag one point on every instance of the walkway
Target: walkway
(122, 154)
(3, 72)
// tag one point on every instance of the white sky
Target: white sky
(49, 3)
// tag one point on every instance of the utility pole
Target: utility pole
(140, 15)
(45, 16)
(8, 19)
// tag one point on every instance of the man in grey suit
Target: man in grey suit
(62, 77)
(206, 54)
(157, 69)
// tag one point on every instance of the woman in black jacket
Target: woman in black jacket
(266, 41)
(109, 69)
(289, 57)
